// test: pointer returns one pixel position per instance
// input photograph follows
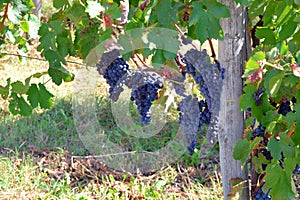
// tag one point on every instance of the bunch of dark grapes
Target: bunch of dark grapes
(257, 96)
(285, 108)
(145, 86)
(190, 69)
(209, 77)
(189, 110)
(260, 195)
(192, 115)
(114, 73)
(258, 132)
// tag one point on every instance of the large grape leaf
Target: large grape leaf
(280, 181)
(273, 80)
(206, 16)
(165, 13)
(38, 94)
(18, 105)
(267, 34)
(278, 147)
(242, 150)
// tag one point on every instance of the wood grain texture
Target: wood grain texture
(232, 55)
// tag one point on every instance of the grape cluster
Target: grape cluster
(190, 69)
(145, 86)
(260, 195)
(258, 132)
(204, 115)
(284, 108)
(189, 110)
(210, 78)
(115, 71)
(193, 114)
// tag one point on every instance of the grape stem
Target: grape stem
(142, 61)
(291, 131)
(261, 182)
(213, 54)
(136, 63)
(182, 34)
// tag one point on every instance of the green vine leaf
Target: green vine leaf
(280, 181)
(296, 135)
(18, 105)
(38, 94)
(18, 87)
(267, 34)
(273, 80)
(205, 16)
(60, 3)
(242, 150)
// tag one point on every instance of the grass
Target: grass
(28, 177)
(42, 156)
(32, 150)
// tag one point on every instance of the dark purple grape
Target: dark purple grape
(297, 169)
(145, 86)
(258, 132)
(260, 195)
(257, 96)
(285, 108)
(267, 154)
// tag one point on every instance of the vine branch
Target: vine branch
(213, 54)
(4, 17)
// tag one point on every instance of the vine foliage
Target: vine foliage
(271, 99)
(271, 93)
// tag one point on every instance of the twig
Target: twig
(141, 60)
(291, 131)
(136, 63)
(179, 30)
(4, 17)
(183, 35)
(261, 182)
(213, 54)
